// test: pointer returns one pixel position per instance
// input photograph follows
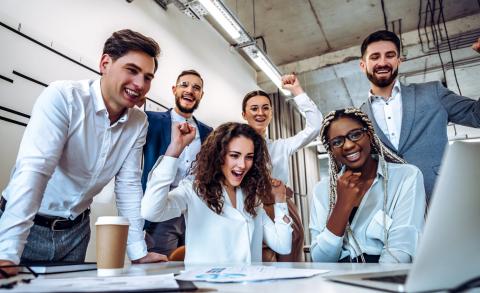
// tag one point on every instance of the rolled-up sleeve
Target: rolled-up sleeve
(408, 220)
(313, 123)
(159, 203)
(128, 192)
(278, 234)
(39, 153)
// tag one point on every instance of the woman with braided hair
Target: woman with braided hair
(372, 207)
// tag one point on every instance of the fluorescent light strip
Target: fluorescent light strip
(267, 67)
(222, 17)
(216, 9)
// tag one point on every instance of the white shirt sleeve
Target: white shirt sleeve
(128, 191)
(313, 123)
(39, 153)
(277, 234)
(408, 220)
(325, 246)
(158, 203)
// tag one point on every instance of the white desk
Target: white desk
(315, 284)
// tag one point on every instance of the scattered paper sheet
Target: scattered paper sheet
(221, 274)
(98, 284)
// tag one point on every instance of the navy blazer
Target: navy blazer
(158, 138)
(427, 108)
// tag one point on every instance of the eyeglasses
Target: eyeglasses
(186, 84)
(353, 136)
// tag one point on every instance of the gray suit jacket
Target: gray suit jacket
(426, 110)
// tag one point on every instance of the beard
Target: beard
(382, 82)
(185, 109)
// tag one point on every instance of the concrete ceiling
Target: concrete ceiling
(319, 40)
(299, 29)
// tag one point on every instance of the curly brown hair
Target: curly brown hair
(207, 168)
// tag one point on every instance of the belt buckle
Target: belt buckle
(52, 227)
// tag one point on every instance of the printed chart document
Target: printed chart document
(150, 283)
(245, 273)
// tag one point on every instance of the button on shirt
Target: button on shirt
(68, 153)
(189, 153)
(388, 113)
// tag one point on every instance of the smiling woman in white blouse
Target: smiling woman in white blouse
(258, 112)
(225, 222)
(371, 208)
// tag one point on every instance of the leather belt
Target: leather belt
(54, 223)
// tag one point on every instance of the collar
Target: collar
(179, 118)
(396, 91)
(99, 103)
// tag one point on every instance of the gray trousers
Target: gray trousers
(69, 245)
(164, 237)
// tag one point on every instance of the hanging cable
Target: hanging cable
(449, 46)
(253, 11)
(385, 15)
(400, 35)
(263, 43)
(419, 24)
(427, 7)
(433, 28)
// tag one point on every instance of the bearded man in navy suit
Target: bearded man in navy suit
(166, 236)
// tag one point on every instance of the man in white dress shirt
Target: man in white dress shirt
(81, 134)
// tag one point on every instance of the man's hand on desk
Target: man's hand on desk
(151, 257)
(9, 271)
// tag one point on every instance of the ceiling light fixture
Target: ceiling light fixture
(224, 18)
(264, 63)
(227, 20)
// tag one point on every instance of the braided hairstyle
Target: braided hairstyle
(377, 147)
(384, 153)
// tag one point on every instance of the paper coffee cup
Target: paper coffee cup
(112, 234)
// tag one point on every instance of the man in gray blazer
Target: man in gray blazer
(411, 119)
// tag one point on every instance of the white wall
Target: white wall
(79, 29)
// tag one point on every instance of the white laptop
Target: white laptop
(449, 251)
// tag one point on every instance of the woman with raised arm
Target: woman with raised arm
(225, 221)
(371, 208)
(257, 110)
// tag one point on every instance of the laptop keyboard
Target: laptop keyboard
(398, 279)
